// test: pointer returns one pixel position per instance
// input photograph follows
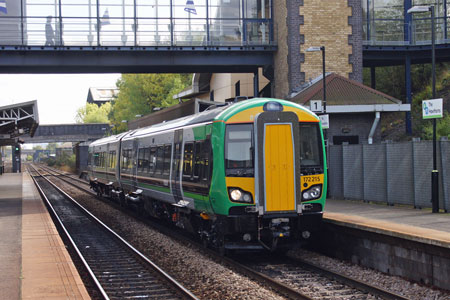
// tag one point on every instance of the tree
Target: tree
(51, 146)
(91, 113)
(139, 94)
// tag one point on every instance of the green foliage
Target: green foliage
(51, 146)
(65, 160)
(425, 127)
(29, 157)
(139, 94)
(391, 81)
(91, 113)
(38, 147)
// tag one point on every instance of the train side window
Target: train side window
(198, 161)
(167, 157)
(146, 160)
(126, 160)
(112, 159)
(96, 159)
(159, 160)
(141, 160)
(152, 162)
(102, 159)
(206, 157)
(187, 161)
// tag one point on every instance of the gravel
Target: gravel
(200, 274)
(391, 283)
(208, 279)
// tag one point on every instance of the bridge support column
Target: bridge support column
(408, 93)
(256, 84)
(81, 157)
(373, 82)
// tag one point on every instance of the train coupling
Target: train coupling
(135, 196)
(280, 227)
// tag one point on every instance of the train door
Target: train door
(175, 181)
(278, 164)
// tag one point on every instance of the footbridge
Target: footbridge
(67, 133)
(39, 36)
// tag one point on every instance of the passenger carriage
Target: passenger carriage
(250, 175)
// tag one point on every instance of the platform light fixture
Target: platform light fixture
(434, 172)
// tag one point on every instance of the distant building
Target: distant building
(101, 96)
(222, 87)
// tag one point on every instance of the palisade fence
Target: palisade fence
(393, 173)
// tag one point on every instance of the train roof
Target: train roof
(108, 139)
(222, 113)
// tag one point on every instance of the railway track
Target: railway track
(292, 278)
(118, 270)
(316, 282)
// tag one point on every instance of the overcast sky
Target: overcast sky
(58, 95)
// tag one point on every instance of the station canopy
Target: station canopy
(16, 120)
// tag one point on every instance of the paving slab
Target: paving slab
(400, 221)
(34, 262)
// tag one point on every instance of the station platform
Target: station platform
(418, 225)
(34, 261)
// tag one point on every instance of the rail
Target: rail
(109, 269)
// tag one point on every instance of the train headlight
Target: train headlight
(273, 106)
(238, 195)
(312, 193)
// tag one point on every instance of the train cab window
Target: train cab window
(187, 161)
(159, 160)
(310, 145)
(167, 157)
(152, 161)
(239, 150)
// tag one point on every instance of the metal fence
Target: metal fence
(393, 173)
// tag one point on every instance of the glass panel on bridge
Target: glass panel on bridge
(131, 23)
(385, 22)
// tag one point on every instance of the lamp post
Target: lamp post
(435, 172)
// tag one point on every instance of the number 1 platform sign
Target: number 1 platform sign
(432, 109)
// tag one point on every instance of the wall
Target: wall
(281, 67)
(326, 25)
(389, 173)
(354, 124)
(300, 24)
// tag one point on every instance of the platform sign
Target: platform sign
(325, 120)
(316, 105)
(432, 109)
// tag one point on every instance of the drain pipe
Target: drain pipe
(374, 127)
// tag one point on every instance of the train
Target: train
(250, 175)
